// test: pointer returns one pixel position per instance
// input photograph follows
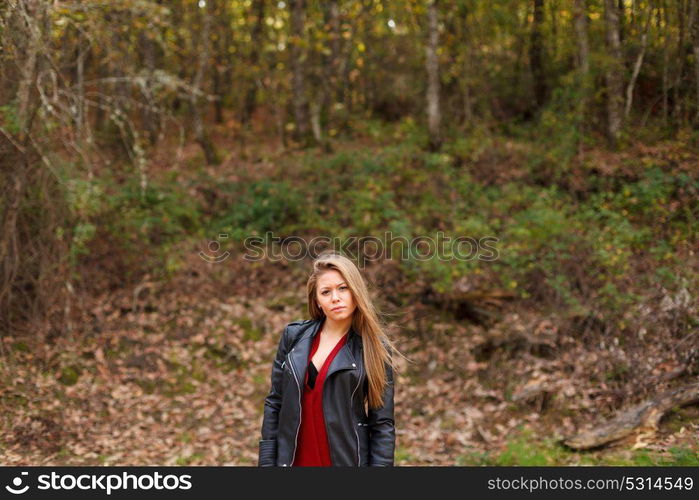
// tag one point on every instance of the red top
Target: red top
(313, 449)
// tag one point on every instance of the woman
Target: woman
(331, 400)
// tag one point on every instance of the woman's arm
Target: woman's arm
(382, 432)
(273, 402)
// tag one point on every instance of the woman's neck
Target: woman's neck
(336, 329)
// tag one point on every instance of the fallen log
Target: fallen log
(641, 418)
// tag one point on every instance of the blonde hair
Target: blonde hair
(377, 347)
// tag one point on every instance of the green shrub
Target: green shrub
(258, 207)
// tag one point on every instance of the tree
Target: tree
(434, 114)
(583, 56)
(298, 68)
(637, 67)
(256, 41)
(613, 74)
(204, 51)
(695, 48)
(536, 54)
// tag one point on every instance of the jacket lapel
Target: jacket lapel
(298, 357)
(344, 359)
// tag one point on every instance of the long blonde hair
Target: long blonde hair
(377, 346)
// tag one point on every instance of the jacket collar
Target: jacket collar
(344, 359)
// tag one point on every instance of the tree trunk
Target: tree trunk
(464, 35)
(682, 15)
(220, 11)
(148, 116)
(200, 132)
(256, 44)
(636, 68)
(613, 74)
(80, 125)
(323, 78)
(335, 48)
(333, 93)
(622, 20)
(28, 9)
(553, 8)
(644, 417)
(695, 48)
(316, 110)
(666, 62)
(298, 68)
(536, 54)
(582, 38)
(434, 114)
(582, 41)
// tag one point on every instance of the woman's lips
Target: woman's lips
(337, 308)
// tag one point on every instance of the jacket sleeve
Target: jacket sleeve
(382, 432)
(273, 402)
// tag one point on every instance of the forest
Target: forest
(144, 144)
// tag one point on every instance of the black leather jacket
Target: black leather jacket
(355, 437)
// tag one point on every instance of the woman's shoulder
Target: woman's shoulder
(300, 322)
(293, 331)
(294, 327)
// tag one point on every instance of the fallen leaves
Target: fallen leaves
(183, 380)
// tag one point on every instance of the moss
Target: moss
(70, 375)
(225, 357)
(20, 347)
(179, 388)
(13, 400)
(185, 437)
(148, 386)
(189, 459)
(680, 417)
(281, 302)
(526, 450)
(402, 455)
(682, 455)
(250, 332)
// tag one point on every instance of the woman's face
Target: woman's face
(334, 296)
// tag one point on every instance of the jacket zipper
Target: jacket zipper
(356, 434)
(293, 456)
(326, 423)
(359, 380)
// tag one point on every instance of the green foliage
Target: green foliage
(8, 117)
(151, 222)
(549, 245)
(83, 233)
(70, 375)
(683, 455)
(250, 331)
(258, 207)
(526, 449)
(471, 147)
(557, 133)
(160, 212)
(403, 456)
